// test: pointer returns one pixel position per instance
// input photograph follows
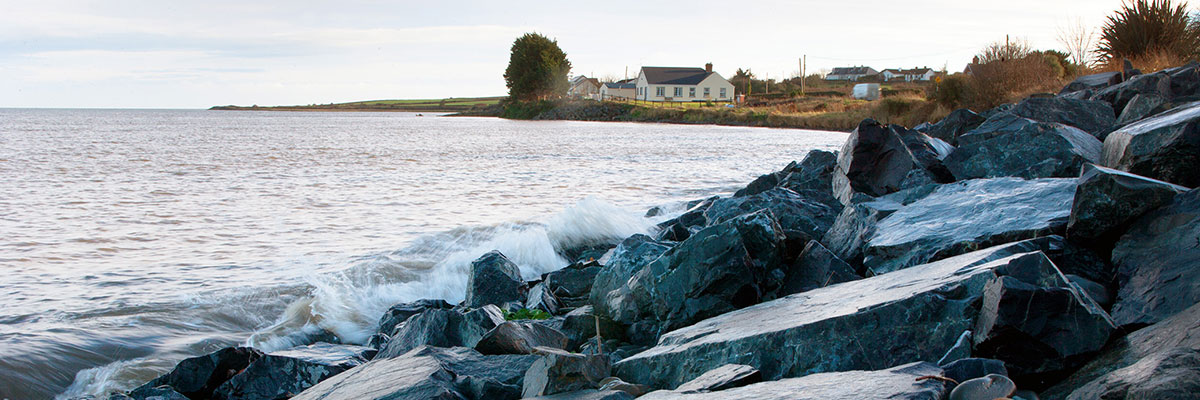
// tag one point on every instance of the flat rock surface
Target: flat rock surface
(1158, 263)
(893, 384)
(1039, 150)
(428, 373)
(287, 372)
(1107, 200)
(1164, 147)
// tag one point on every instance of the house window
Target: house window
(660, 91)
(678, 91)
(707, 92)
(722, 93)
(691, 92)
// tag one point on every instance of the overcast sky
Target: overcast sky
(176, 54)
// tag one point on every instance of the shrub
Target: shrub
(525, 313)
(1145, 27)
(950, 91)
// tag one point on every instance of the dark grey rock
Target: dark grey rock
(627, 259)
(1039, 325)
(494, 280)
(557, 371)
(1164, 147)
(816, 267)
(442, 328)
(1093, 81)
(813, 176)
(1185, 80)
(959, 121)
(284, 374)
(727, 376)
(589, 394)
(1141, 106)
(614, 383)
(874, 161)
(198, 377)
(1093, 117)
(1038, 150)
(540, 298)
(1108, 200)
(1170, 374)
(998, 125)
(971, 368)
(1094, 290)
(929, 153)
(513, 337)
(1179, 331)
(764, 182)
(156, 393)
(856, 223)
(576, 279)
(679, 228)
(1157, 263)
(961, 350)
(993, 386)
(1119, 95)
(721, 268)
(580, 326)
(399, 313)
(963, 216)
(878, 322)
(802, 218)
(898, 383)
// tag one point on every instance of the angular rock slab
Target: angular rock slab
(1171, 374)
(959, 121)
(589, 394)
(557, 371)
(1181, 331)
(285, 373)
(1158, 263)
(727, 376)
(813, 174)
(875, 161)
(198, 377)
(802, 218)
(1165, 147)
(1039, 150)
(963, 216)
(1093, 117)
(1141, 106)
(575, 279)
(426, 373)
(1107, 200)
(514, 337)
(399, 313)
(892, 384)
(1119, 95)
(872, 323)
(816, 267)
(442, 328)
(634, 253)
(494, 280)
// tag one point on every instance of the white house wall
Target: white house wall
(714, 82)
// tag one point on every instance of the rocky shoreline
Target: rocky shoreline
(1046, 249)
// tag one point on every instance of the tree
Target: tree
(537, 69)
(1077, 39)
(1004, 51)
(1145, 27)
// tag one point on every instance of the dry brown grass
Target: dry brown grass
(1149, 62)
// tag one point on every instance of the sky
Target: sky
(193, 54)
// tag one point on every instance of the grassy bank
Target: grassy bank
(452, 104)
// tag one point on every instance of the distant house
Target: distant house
(682, 84)
(625, 89)
(582, 86)
(850, 73)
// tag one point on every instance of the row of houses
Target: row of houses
(662, 84)
(891, 74)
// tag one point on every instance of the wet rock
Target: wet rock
(1038, 150)
(1093, 117)
(959, 121)
(856, 223)
(427, 373)
(399, 313)
(727, 376)
(961, 350)
(993, 386)
(801, 218)
(1108, 200)
(998, 125)
(1141, 106)
(971, 368)
(874, 161)
(614, 383)
(283, 374)
(912, 314)
(1038, 324)
(1119, 95)
(1165, 147)
(962, 216)
(1179, 331)
(494, 280)
(764, 182)
(679, 228)
(893, 383)
(813, 176)
(1171, 374)
(443, 328)
(198, 377)
(627, 259)
(156, 393)
(1157, 263)
(580, 326)
(1093, 81)
(589, 394)
(816, 267)
(929, 153)
(557, 371)
(514, 337)
(575, 279)
(1093, 290)
(1185, 80)
(721, 268)
(540, 298)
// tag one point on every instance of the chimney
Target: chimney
(708, 68)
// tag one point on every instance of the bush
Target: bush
(950, 91)
(525, 313)
(1145, 27)
(525, 109)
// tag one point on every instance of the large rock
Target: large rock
(1164, 147)
(198, 377)
(724, 267)
(155, 393)
(727, 376)
(557, 371)
(1158, 263)
(1038, 150)
(898, 383)
(875, 161)
(998, 125)
(679, 228)
(399, 313)
(813, 176)
(589, 394)
(1171, 374)
(1119, 95)
(1093, 82)
(802, 218)
(816, 267)
(494, 280)
(580, 326)
(1094, 117)
(541, 298)
(1107, 200)
(959, 121)
(1181, 331)
(573, 280)
(626, 260)
(428, 373)
(284, 374)
(1039, 325)
(514, 337)
(443, 328)
(962, 216)
(1141, 106)
(912, 314)
(856, 223)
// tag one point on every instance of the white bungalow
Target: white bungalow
(850, 73)
(682, 84)
(908, 75)
(626, 89)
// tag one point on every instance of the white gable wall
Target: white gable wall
(714, 82)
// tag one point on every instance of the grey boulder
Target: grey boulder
(557, 371)
(1038, 150)
(1108, 200)
(959, 121)
(494, 280)
(427, 373)
(285, 373)
(399, 313)
(1141, 106)
(627, 259)
(816, 267)
(875, 160)
(720, 378)
(198, 377)
(1158, 263)
(1093, 117)
(1119, 95)
(442, 328)
(1170, 374)
(513, 337)
(802, 218)
(897, 383)
(1165, 147)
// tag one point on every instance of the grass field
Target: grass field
(452, 104)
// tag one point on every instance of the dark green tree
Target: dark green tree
(537, 69)
(1143, 27)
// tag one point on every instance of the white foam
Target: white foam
(102, 380)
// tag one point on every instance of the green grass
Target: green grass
(526, 313)
(417, 105)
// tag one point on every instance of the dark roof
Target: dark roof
(851, 71)
(611, 85)
(674, 75)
